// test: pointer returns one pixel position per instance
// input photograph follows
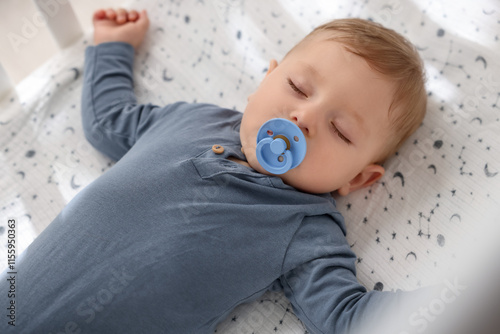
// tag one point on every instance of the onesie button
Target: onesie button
(218, 149)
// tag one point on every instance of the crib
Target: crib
(431, 216)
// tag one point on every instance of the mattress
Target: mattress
(439, 198)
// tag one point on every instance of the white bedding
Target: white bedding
(407, 230)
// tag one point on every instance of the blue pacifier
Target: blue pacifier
(281, 145)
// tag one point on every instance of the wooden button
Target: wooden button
(218, 149)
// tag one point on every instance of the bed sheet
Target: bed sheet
(408, 230)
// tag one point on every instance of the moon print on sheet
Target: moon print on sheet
(433, 167)
(70, 128)
(30, 153)
(21, 173)
(477, 119)
(400, 175)
(481, 58)
(412, 254)
(456, 216)
(165, 77)
(488, 172)
(77, 72)
(73, 184)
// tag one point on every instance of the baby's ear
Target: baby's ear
(368, 176)
(272, 65)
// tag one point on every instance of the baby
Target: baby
(188, 224)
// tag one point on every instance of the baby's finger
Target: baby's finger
(133, 15)
(143, 20)
(121, 15)
(110, 14)
(99, 15)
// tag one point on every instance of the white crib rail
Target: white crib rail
(5, 83)
(61, 20)
(63, 25)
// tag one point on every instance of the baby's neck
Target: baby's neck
(241, 162)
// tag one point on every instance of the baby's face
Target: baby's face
(340, 104)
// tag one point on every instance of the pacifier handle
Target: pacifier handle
(281, 146)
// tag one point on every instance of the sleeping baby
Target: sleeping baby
(207, 208)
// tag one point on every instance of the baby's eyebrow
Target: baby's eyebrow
(359, 122)
(355, 118)
(311, 69)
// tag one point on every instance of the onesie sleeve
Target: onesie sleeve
(324, 291)
(112, 119)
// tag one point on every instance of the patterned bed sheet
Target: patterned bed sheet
(408, 230)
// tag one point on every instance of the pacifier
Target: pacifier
(281, 146)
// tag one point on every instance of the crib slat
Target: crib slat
(5, 83)
(61, 20)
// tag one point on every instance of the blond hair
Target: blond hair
(392, 55)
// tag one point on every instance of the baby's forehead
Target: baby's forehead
(318, 46)
(311, 40)
(318, 52)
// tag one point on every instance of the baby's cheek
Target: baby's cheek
(315, 177)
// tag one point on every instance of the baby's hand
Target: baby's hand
(120, 26)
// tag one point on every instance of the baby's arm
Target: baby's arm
(112, 119)
(325, 292)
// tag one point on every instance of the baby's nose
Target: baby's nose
(302, 124)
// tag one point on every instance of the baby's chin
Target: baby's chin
(292, 177)
(251, 157)
(249, 152)
(288, 178)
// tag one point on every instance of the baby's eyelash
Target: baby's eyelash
(294, 88)
(341, 136)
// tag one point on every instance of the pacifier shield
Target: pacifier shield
(281, 145)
